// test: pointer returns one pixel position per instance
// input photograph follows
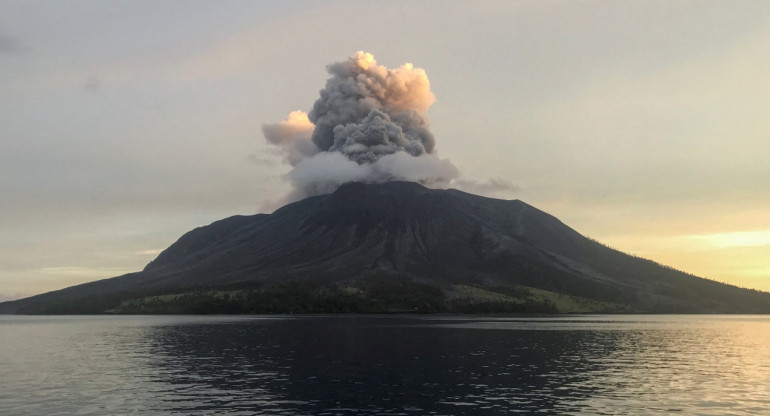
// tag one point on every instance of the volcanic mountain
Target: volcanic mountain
(395, 247)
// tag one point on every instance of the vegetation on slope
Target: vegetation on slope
(379, 293)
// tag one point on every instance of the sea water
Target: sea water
(384, 365)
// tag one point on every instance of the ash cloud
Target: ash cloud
(367, 110)
(293, 137)
(368, 125)
(491, 187)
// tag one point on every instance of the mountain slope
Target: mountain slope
(398, 246)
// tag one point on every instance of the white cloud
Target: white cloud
(732, 239)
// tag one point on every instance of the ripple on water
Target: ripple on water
(385, 365)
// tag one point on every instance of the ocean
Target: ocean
(385, 365)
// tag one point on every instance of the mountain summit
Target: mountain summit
(395, 247)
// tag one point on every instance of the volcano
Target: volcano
(396, 247)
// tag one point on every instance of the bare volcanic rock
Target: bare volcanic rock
(396, 246)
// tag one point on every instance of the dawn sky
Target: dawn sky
(125, 124)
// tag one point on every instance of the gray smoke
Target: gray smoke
(293, 136)
(368, 125)
(367, 111)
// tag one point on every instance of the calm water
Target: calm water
(346, 365)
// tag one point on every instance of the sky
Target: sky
(125, 124)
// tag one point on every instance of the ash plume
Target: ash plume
(293, 136)
(368, 125)
(367, 110)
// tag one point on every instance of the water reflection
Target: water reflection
(707, 367)
(345, 365)
(384, 365)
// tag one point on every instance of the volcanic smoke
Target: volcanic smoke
(368, 125)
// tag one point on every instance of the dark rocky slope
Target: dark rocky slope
(397, 246)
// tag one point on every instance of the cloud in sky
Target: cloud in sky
(628, 121)
(734, 239)
(92, 84)
(10, 45)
